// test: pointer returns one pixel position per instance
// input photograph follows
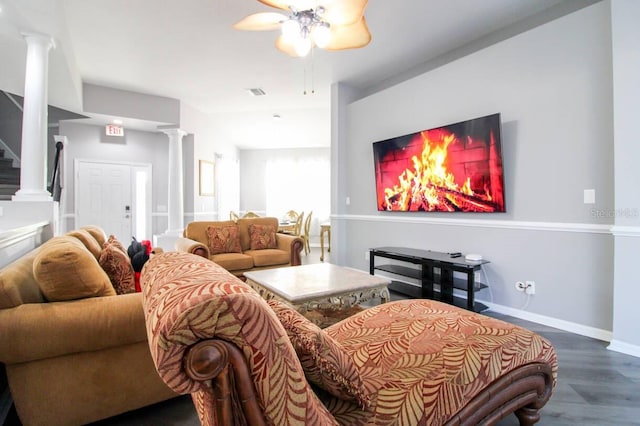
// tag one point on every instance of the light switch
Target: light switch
(589, 196)
(348, 201)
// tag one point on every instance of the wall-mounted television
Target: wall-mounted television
(452, 168)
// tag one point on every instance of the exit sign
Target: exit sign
(113, 130)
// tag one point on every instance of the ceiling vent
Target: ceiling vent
(256, 92)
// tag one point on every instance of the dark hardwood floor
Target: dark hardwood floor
(595, 386)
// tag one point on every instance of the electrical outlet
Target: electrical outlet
(366, 255)
(520, 286)
(530, 287)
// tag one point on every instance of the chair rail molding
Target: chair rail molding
(481, 223)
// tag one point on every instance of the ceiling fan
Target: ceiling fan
(327, 24)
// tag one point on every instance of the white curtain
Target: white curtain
(300, 185)
(227, 191)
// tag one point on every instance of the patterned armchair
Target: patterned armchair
(412, 362)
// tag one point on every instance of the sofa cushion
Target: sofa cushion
(323, 359)
(66, 270)
(223, 239)
(197, 231)
(245, 222)
(97, 233)
(233, 261)
(262, 237)
(433, 358)
(17, 283)
(88, 241)
(117, 264)
(269, 257)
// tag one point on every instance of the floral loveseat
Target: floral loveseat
(242, 245)
(74, 349)
(411, 362)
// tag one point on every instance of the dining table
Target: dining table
(287, 227)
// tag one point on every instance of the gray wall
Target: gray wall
(625, 15)
(87, 142)
(552, 85)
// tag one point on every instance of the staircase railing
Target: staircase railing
(8, 153)
(55, 188)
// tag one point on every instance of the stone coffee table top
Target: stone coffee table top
(318, 286)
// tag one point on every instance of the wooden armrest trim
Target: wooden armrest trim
(224, 364)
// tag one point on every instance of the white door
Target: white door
(104, 197)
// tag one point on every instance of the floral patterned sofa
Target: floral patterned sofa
(413, 362)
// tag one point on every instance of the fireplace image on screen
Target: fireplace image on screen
(453, 168)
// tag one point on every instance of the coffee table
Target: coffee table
(318, 286)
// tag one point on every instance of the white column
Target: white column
(175, 198)
(33, 163)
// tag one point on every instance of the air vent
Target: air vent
(257, 91)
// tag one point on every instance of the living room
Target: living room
(518, 77)
(565, 90)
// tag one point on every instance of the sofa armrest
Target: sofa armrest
(187, 245)
(292, 245)
(43, 330)
(210, 303)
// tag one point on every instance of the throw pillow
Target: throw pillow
(116, 263)
(262, 237)
(66, 270)
(223, 239)
(112, 240)
(323, 359)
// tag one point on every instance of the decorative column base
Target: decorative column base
(31, 195)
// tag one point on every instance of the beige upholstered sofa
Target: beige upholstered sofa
(83, 357)
(237, 249)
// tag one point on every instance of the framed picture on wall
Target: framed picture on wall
(206, 176)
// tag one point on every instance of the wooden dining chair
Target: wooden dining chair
(305, 235)
(234, 216)
(250, 214)
(298, 228)
(291, 216)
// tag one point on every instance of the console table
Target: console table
(435, 271)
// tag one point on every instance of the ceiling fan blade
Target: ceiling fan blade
(260, 22)
(343, 12)
(349, 36)
(298, 4)
(286, 47)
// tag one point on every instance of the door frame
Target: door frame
(133, 168)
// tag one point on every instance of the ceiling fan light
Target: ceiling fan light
(321, 34)
(290, 29)
(302, 46)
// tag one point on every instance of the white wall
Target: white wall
(552, 85)
(253, 164)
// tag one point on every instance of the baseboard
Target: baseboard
(569, 326)
(625, 348)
